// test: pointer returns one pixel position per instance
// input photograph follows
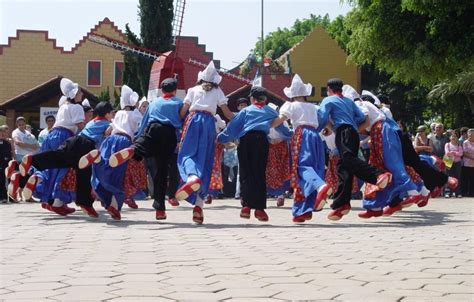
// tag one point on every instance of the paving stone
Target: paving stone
(300, 295)
(31, 295)
(138, 298)
(451, 288)
(37, 286)
(196, 296)
(370, 298)
(250, 292)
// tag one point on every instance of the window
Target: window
(118, 73)
(324, 91)
(94, 73)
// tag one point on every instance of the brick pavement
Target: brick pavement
(418, 255)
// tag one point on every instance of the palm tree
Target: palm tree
(461, 85)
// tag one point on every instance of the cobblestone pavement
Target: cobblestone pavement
(417, 255)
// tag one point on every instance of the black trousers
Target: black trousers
(173, 176)
(3, 184)
(467, 183)
(253, 156)
(158, 141)
(349, 164)
(67, 156)
(431, 176)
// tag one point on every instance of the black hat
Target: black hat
(242, 101)
(103, 108)
(169, 84)
(257, 92)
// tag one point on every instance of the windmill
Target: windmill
(167, 64)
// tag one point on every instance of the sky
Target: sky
(228, 28)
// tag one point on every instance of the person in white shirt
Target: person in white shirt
(310, 190)
(70, 118)
(50, 120)
(22, 139)
(113, 182)
(197, 146)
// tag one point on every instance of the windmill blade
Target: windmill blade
(223, 73)
(125, 47)
(177, 23)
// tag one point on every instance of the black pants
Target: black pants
(253, 155)
(158, 141)
(3, 184)
(467, 184)
(431, 176)
(68, 156)
(173, 176)
(349, 164)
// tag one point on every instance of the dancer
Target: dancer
(112, 183)
(157, 138)
(251, 126)
(278, 166)
(75, 153)
(197, 145)
(307, 177)
(346, 117)
(385, 154)
(52, 191)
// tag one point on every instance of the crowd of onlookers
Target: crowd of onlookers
(456, 148)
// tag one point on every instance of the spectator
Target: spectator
(463, 137)
(454, 151)
(439, 140)
(468, 168)
(422, 144)
(5, 157)
(25, 142)
(50, 120)
(404, 129)
(242, 103)
(432, 128)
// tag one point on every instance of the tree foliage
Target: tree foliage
(421, 41)
(155, 33)
(282, 40)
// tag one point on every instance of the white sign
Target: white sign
(46, 111)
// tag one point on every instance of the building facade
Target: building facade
(318, 58)
(32, 58)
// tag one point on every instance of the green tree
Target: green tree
(421, 41)
(104, 95)
(155, 34)
(282, 40)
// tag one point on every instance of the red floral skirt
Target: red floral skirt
(216, 174)
(135, 178)
(278, 165)
(331, 175)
